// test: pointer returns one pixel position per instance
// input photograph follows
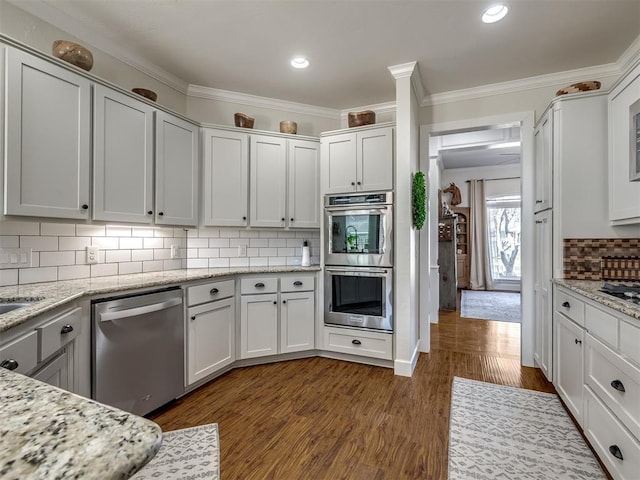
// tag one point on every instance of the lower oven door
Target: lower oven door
(359, 297)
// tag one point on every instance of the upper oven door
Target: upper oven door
(359, 236)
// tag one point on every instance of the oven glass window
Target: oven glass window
(357, 295)
(356, 234)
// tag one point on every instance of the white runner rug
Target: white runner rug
(189, 453)
(490, 305)
(499, 432)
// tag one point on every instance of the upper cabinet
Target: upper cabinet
(47, 139)
(176, 171)
(303, 167)
(123, 158)
(624, 195)
(358, 161)
(543, 162)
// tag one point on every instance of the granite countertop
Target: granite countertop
(591, 289)
(49, 433)
(49, 295)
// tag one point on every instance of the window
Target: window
(503, 224)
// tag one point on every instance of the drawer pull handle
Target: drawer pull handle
(193, 317)
(578, 342)
(356, 342)
(618, 385)
(615, 451)
(213, 291)
(10, 364)
(66, 329)
(566, 304)
(259, 285)
(284, 301)
(297, 283)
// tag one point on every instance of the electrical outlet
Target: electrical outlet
(92, 254)
(175, 251)
(242, 250)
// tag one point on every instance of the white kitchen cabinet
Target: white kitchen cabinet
(569, 364)
(47, 151)
(226, 178)
(303, 192)
(268, 174)
(258, 325)
(296, 331)
(543, 351)
(56, 371)
(176, 161)
(123, 158)
(624, 196)
(543, 162)
(358, 161)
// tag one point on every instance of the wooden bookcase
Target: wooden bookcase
(463, 247)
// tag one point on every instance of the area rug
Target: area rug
(189, 453)
(499, 432)
(488, 305)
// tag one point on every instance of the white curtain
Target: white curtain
(480, 271)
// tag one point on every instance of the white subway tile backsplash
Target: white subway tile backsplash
(35, 259)
(173, 264)
(81, 257)
(142, 231)
(236, 242)
(253, 252)
(229, 252)
(118, 231)
(286, 235)
(197, 263)
(90, 230)
(117, 256)
(37, 275)
(226, 233)
(73, 243)
(153, 243)
(180, 232)
(258, 261)
(152, 266)
(163, 232)
(131, 242)
(9, 241)
(294, 261)
(141, 255)
(15, 227)
(239, 262)
(218, 262)
(39, 244)
(8, 277)
(208, 252)
(286, 252)
(249, 233)
(192, 253)
(129, 267)
(105, 243)
(104, 269)
(277, 242)
(192, 233)
(219, 242)
(268, 252)
(54, 259)
(208, 232)
(74, 271)
(58, 229)
(259, 242)
(294, 242)
(198, 242)
(162, 254)
(277, 261)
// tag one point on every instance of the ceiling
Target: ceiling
(245, 45)
(479, 157)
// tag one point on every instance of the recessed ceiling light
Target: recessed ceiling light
(494, 14)
(299, 62)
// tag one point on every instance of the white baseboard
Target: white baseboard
(405, 368)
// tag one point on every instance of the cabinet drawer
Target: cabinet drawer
(297, 283)
(369, 344)
(602, 325)
(56, 333)
(210, 292)
(570, 306)
(258, 285)
(607, 373)
(607, 435)
(630, 341)
(23, 350)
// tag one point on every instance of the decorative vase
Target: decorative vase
(358, 119)
(73, 53)
(148, 94)
(288, 126)
(242, 120)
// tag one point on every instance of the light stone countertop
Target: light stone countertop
(50, 295)
(591, 289)
(48, 433)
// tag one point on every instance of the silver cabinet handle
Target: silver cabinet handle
(132, 312)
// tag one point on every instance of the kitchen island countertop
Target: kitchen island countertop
(49, 295)
(46, 432)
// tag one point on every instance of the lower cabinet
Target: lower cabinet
(359, 342)
(258, 325)
(56, 371)
(210, 329)
(569, 364)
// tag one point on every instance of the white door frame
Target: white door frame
(526, 121)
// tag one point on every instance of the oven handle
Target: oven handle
(358, 209)
(359, 272)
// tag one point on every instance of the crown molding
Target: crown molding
(379, 108)
(261, 102)
(55, 17)
(630, 56)
(402, 70)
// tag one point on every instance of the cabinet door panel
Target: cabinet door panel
(543, 352)
(375, 160)
(338, 166)
(297, 322)
(259, 325)
(176, 171)
(123, 158)
(56, 372)
(569, 364)
(268, 181)
(47, 139)
(543, 167)
(304, 184)
(226, 178)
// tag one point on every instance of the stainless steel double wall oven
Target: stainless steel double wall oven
(358, 258)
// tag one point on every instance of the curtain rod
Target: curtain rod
(490, 179)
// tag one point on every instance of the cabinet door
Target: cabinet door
(210, 338)
(569, 364)
(123, 158)
(338, 163)
(47, 139)
(268, 169)
(176, 171)
(543, 354)
(375, 160)
(226, 178)
(543, 167)
(297, 322)
(304, 184)
(258, 325)
(56, 372)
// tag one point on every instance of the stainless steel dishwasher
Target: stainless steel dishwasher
(138, 350)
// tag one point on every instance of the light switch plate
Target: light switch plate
(15, 257)
(175, 251)
(242, 250)
(92, 254)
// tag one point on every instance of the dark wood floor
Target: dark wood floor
(327, 419)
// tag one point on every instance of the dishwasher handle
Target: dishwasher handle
(132, 312)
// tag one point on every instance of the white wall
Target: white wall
(459, 176)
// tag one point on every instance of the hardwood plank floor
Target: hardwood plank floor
(320, 418)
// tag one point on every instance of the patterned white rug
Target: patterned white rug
(489, 305)
(189, 453)
(498, 432)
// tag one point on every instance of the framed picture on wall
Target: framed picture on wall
(634, 137)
